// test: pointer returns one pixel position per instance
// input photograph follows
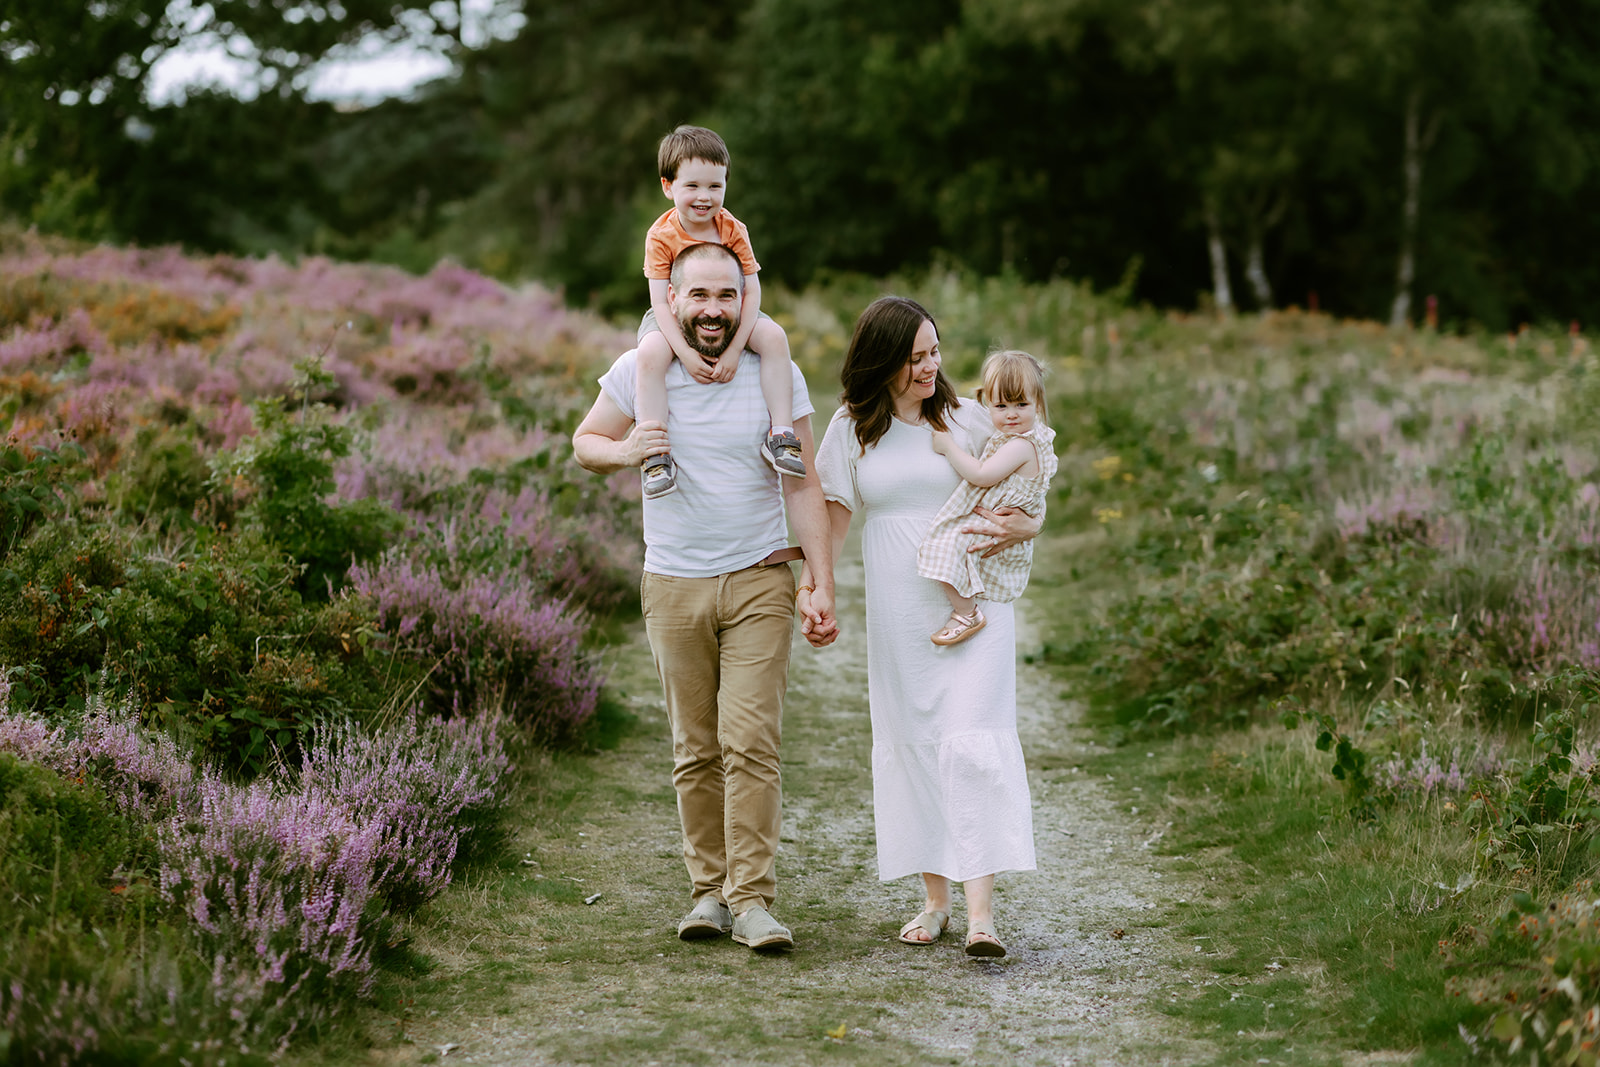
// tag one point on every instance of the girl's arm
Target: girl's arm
(667, 323)
(1010, 458)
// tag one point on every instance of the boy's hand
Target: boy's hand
(941, 442)
(724, 368)
(700, 370)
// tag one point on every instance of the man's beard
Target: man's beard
(710, 351)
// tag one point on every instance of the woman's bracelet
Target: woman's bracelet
(804, 589)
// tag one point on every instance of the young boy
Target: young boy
(694, 176)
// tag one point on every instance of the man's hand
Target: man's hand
(646, 439)
(1002, 528)
(817, 624)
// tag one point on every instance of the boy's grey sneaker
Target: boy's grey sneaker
(782, 450)
(758, 929)
(660, 477)
(709, 918)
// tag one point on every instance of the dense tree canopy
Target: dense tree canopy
(1361, 153)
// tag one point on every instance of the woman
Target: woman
(950, 790)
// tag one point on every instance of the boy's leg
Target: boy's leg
(782, 447)
(655, 356)
(650, 405)
(769, 342)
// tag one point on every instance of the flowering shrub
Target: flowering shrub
(488, 640)
(286, 884)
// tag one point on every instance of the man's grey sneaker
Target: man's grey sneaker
(709, 918)
(660, 477)
(782, 450)
(758, 929)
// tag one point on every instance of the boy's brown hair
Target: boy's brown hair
(686, 143)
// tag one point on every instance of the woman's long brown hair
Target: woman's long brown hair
(880, 348)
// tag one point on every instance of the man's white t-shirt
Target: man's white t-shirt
(728, 511)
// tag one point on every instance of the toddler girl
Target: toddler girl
(1014, 471)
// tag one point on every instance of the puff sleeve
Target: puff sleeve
(836, 461)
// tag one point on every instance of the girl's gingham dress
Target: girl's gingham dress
(1002, 577)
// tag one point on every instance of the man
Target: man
(718, 610)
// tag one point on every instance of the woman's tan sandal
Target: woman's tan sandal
(933, 922)
(959, 627)
(982, 942)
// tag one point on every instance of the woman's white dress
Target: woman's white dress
(950, 789)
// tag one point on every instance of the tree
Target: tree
(73, 101)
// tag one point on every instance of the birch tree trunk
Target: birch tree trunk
(1255, 272)
(1221, 292)
(1417, 144)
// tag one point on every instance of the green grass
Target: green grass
(1318, 931)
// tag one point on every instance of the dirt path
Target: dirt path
(529, 974)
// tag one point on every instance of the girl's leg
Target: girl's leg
(769, 342)
(964, 621)
(937, 888)
(961, 605)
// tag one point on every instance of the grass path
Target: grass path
(523, 971)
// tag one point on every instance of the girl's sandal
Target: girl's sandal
(982, 942)
(960, 627)
(933, 922)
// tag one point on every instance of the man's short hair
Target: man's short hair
(704, 250)
(686, 143)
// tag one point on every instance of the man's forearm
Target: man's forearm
(600, 454)
(808, 513)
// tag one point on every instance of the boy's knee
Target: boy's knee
(655, 354)
(769, 334)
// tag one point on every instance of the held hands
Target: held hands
(817, 624)
(725, 366)
(1003, 527)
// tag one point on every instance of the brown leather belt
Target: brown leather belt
(782, 555)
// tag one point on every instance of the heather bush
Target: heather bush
(487, 640)
(268, 898)
(287, 470)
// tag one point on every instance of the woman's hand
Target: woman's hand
(817, 624)
(1002, 528)
(941, 442)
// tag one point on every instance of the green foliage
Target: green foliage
(219, 645)
(1547, 820)
(35, 484)
(288, 468)
(163, 478)
(59, 844)
(1552, 1006)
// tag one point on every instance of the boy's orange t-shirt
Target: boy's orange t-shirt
(666, 239)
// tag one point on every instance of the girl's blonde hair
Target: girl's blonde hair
(1012, 376)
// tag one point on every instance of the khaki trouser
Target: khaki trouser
(721, 647)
